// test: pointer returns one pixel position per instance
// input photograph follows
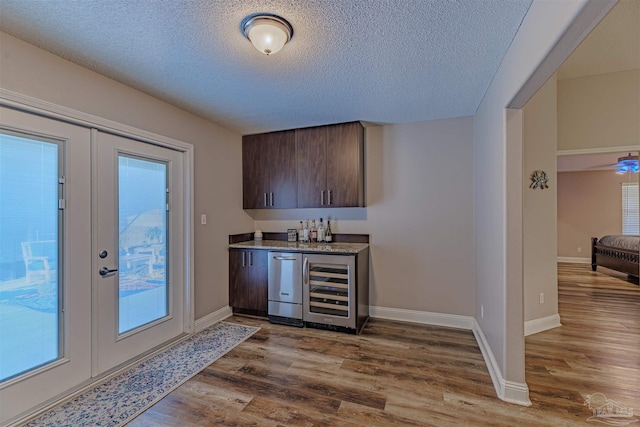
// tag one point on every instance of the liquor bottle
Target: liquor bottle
(314, 232)
(321, 232)
(301, 233)
(305, 232)
(328, 237)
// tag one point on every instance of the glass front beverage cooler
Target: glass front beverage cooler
(329, 290)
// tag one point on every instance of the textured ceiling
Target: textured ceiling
(613, 45)
(383, 61)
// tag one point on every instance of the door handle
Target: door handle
(285, 258)
(104, 271)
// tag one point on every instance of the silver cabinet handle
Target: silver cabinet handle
(305, 271)
(104, 271)
(265, 200)
(322, 197)
(250, 259)
(285, 258)
(271, 197)
(244, 259)
(329, 198)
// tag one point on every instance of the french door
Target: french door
(92, 255)
(45, 290)
(139, 239)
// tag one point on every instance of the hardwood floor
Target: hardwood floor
(597, 350)
(414, 375)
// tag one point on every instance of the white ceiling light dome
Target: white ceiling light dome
(268, 33)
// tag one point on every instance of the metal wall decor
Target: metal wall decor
(539, 179)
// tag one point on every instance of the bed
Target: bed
(618, 253)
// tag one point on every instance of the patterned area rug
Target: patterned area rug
(122, 398)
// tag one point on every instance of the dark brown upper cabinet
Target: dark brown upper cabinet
(330, 166)
(269, 170)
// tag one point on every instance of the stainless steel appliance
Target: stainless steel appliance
(331, 298)
(285, 288)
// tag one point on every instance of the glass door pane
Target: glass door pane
(30, 223)
(143, 235)
(329, 289)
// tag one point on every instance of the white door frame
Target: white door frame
(26, 103)
(47, 109)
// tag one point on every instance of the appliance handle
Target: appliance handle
(285, 258)
(305, 271)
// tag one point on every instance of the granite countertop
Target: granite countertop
(338, 248)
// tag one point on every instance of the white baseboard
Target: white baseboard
(574, 260)
(542, 324)
(213, 318)
(423, 317)
(509, 391)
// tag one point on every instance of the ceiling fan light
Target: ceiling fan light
(627, 164)
(267, 33)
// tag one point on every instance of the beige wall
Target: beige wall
(419, 214)
(418, 187)
(218, 180)
(589, 205)
(599, 111)
(539, 225)
(498, 195)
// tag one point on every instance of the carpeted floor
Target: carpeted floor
(122, 398)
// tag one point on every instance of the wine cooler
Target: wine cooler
(330, 293)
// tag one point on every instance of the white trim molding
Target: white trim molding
(212, 318)
(574, 260)
(509, 391)
(423, 317)
(541, 324)
(628, 148)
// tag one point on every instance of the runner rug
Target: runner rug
(123, 397)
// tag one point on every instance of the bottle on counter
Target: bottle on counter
(321, 232)
(301, 233)
(314, 232)
(328, 237)
(305, 232)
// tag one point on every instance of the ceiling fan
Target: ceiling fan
(627, 164)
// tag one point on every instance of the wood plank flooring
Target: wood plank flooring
(400, 374)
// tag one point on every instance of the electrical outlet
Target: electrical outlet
(541, 297)
(482, 311)
(579, 249)
(203, 219)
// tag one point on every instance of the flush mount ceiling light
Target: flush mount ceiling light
(627, 164)
(268, 33)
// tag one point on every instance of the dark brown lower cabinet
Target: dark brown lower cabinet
(248, 281)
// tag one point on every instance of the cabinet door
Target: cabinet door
(255, 172)
(312, 169)
(282, 169)
(258, 292)
(238, 276)
(248, 281)
(345, 180)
